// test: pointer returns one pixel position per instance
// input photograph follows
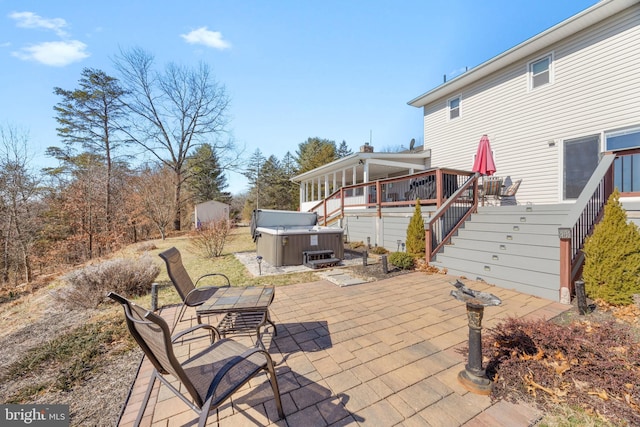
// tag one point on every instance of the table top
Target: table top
(251, 298)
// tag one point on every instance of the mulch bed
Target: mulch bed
(588, 361)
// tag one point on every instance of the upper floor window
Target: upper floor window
(623, 139)
(454, 108)
(540, 72)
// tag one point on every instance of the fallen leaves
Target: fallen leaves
(590, 363)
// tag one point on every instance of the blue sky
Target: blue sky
(334, 69)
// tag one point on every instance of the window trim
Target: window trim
(459, 108)
(620, 132)
(530, 75)
(562, 158)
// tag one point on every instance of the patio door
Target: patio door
(581, 157)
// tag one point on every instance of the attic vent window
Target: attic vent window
(454, 108)
(540, 72)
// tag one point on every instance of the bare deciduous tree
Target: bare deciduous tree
(174, 111)
(18, 201)
(154, 190)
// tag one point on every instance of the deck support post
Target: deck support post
(565, 265)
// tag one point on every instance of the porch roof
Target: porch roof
(379, 164)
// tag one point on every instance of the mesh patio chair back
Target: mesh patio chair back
(492, 185)
(210, 376)
(191, 295)
(512, 189)
(177, 273)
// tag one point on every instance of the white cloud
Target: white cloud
(31, 20)
(56, 54)
(205, 37)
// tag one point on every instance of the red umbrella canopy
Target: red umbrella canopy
(484, 158)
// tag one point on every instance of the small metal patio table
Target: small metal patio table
(245, 309)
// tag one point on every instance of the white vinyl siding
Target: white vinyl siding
(594, 91)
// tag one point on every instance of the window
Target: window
(454, 108)
(627, 165)
(623, 139)
(540, 72)
(581, 157)
(626, 173)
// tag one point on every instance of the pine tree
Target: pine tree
(315, 152)
(612, 256)
(415, 232)
(343, 150)
(206, 179)
(254, 175)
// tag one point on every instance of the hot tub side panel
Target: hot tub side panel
(295, 244)
(286, 249)
(269, 247)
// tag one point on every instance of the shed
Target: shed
(210, 211)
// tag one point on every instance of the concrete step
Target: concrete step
(511, 248)
(492, 272)
(508, 237)
(511, 227)
(520, 218)
(558, 208)
(544, 262)
(515, 247)
(549, 288)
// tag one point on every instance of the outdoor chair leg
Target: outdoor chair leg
(183, 309)
(274, 386)
(145, 400)
(275, 330)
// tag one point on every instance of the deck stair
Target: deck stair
(515, 247)
(319, 259)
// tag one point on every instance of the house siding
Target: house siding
(595, 88)
(384, 231)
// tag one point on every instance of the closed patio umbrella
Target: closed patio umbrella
(483, 162)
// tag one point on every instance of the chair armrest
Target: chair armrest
(214, 274)
(199, 295)
(215, 334)
(224, 370)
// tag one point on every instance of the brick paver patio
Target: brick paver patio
(376, 354)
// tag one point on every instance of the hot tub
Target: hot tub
(282, 236)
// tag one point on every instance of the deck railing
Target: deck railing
(450, 215)
(585, 213)
(432, 187)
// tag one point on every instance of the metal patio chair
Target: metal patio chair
(491, 187)
(191, 295)
(510, 191)
(207, 378)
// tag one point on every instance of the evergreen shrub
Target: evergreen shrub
(415, 232)
(402, 260)
(612, 257)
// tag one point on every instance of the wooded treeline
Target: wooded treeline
(136, 153)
